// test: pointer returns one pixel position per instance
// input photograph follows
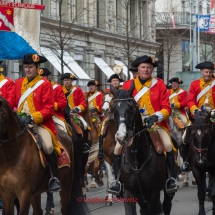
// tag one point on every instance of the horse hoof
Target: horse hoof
(92, 186)
(207, 199)
(185, 184)
(193, 182)
(52, 211)
(180, 177)
(108, 204)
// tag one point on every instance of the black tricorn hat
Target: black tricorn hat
(93, 82)
(175, 79)
(68, 75)
(133, 69)
(44, 72)
(205, 65)
(33, 58)
(144, 59)
(115, 76)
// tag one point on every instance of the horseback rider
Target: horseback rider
(115, 81)
(7, 88)
(151, 95)
(34, 98)
(76, 104)
(178, 100)
(94, 100)
(200, 97)
(60, 102)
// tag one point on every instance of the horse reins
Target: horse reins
(136, 169)
(4, 123)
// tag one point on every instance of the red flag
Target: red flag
(212, 4)
(6, 19)
(173, 20)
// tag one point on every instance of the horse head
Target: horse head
(201, 136)
(107, 103)
(126, 114)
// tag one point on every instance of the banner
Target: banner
(19, 30)
(173, 20)
(211, 29)
(202, 22)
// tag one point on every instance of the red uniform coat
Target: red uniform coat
(126, 85)
(156, 99)
(40, 104)
(180, 100)
(7, 91)
(60, 101)
(195, 88)
(97, 101)
(76, 98)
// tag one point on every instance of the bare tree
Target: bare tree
(133, 24)
(170, 38)
(65, 27)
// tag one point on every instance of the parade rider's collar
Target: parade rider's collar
(65, 90)
(90, 94)
(139, 85)
(32, 82)
(52, 82)
(1, 77)
(204, 84)
(175, 91)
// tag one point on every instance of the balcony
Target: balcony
(181, 19)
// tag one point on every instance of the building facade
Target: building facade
(87, 37)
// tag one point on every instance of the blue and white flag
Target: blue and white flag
(202, 22)
(19, 30)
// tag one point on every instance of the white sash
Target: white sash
(205, 91)
(93, 96)
(175, 94)
(54, 86)
(3, 82)
(72, 91)
(145, 90)
(29, 91)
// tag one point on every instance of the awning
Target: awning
(125, 68)
(54, 60)
(72, 64)
(103, 66)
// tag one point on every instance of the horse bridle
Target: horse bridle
(3, 123)
(204, 150)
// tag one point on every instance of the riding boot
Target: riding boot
(100, 153)
(171, 185)
(86, 147)
(54, 183)
(186, 166)
(115, 186)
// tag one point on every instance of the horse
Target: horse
(141, 165)
(109, 142)
(93, 162)
(22, 175)
(201, 155)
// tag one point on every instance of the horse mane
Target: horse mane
(123, 94)
(199, 116)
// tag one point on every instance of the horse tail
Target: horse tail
(78, 204)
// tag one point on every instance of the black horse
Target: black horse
(201, 155)
(143, 171)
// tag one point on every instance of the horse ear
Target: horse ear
(114, 91)
(130, 91)
(102, 91)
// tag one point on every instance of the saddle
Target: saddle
(178, 123)
(63, 159)
(157, 142)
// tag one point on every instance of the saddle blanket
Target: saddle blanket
(63, 159)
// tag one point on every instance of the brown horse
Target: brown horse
(109, 141)
(93, 162)
(22, 175)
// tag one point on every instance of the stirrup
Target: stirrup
(115, 192)
(171, 190)
(57, 182)
(185, 167)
